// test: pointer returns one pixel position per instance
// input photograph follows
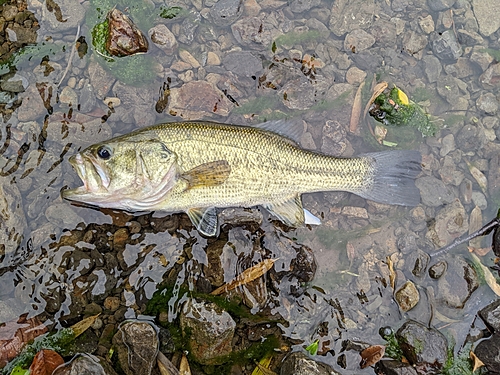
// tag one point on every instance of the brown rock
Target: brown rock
(124, 38)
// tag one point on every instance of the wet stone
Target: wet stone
(486, 12)
(458, 283)
(470, 138)
(253, 32)
(124, 38)
(112, 303)
(491, 77)
(450, 223)
(488, 351)
(299, 6)
(299, 364)
(491, 315)
(136, 344)
(12, 218)
(426, 348)
(414, 43)
(242, 63)
(225, 12)
(86, 364)
(163, 38)
(298, 94)
(407, 296)
(419, 260)
(434, 192)
(439, 5)
(488, 103)
(188, 27)
(211, 331)
(358, 40)
(437, 270)
(349, 15)
(432, 68)
(393, 367)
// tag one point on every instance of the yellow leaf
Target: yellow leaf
(250, 274)
(478, 176)
(356, 111)
(488, 276)
(184, 366)
(476, 361)
(83, 325)
(262, 367)
(403, 98)
(392, 273)
(166, 367)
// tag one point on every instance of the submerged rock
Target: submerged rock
(211, 331)
(136, 344)
(124, 38)
(85, 364)
(488, 351)
(299, 364)
(425, 348)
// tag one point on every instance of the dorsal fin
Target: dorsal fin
(291, 129)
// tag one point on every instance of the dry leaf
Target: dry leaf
(488, 276)
(480, 251)
(184, 366)
(45, 362)
(351, 251)
(356, 111)
(478, 176)
(263, 363)
(475, 223)
(250, 274)
(476, 361)
(380, 133)
(166, 367)
(377, 90)
(14, 335)
(83, 325)
(392, 274)
(371, 355)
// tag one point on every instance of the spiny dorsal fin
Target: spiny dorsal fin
(205, 220)
(291, 129)
(208, 174)
(289, 212)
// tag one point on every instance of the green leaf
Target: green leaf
(313, 348)
(18, 370)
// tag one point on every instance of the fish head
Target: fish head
(123, 174)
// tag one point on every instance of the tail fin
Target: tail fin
(393, 180)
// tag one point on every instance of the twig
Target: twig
(70, 56)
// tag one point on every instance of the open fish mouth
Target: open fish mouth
(92, 178)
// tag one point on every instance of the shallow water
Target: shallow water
(70, 255)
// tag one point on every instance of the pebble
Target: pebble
(163, 38)
(213, 59)
(426, 24)
(112, 102)
(72, 82)
(112, 303)
(68, 96)
(355, 76)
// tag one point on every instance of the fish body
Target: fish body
(197, 167)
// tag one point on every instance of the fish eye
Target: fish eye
(104, 152)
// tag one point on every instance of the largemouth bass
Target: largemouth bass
(197, 167)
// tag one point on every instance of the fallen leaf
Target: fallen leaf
(371, 355)
(477, 363)
(262, 367)
(488, 276)
(45, 362)
(83, 325)
(250, 274)
(480, 251)
(356, 111)
(15, 334)
(312, 349)
(478, 176)
(166, 367)
(184, 366)
(377, 90)
(380, 133)
(392, 273)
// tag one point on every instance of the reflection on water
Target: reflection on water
(329, 283)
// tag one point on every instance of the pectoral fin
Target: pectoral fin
(205, 220)
(208, 174)
(289, 212)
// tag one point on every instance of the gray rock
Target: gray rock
(437, 270)
(32, 106)
(424, 347)
(16, 83)
(481, 58)
(457, 284)
(85, 364)
(299, 6)
(453, 90)
(488, 351)
(469, 38)
(88, 99)
(136, 344)
(487, 103)
(211, 331)
(393, 367)
(137, 104)
(189, 26)
(446, 47)
(12, 218)
(418, 261)
(450, 223)
(439, 5)
(358, 40)
(242, 63)
(414, 43)
(254, 32)
(434, 192)
(349, 15)
(433, 68)
(486, 12)
(471, 138)
(163, 38)
(226, 12)
(100, 79)
(298, 94)
(491, 315)
(491, 77)
(73, 13)
(298, 363)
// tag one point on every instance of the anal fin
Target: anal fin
(289, 212)
(205, 220)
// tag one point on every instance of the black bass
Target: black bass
(197, 167)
